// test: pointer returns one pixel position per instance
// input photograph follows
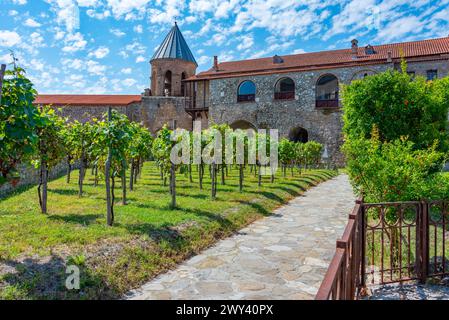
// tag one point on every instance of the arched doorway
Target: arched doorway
(243, 125)
(298, 134)
(167, 83)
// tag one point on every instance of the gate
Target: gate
(388, 243)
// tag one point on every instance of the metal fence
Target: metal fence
(388, 243)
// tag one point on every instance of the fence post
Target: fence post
(2, 75)
(424, 241)
(362, 245)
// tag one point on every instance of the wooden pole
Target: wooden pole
(110, 213)
(2, 75)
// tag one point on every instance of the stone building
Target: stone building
(297, 94)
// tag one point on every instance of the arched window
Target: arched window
(167, 83)
(246, 92)
(327, 92)
(298, 134)
(183, 85)
(285, 89)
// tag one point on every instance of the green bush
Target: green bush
(396, 136)
(395, 171)
(398, 106)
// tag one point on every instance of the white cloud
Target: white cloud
(203, 60)
(9, 38)
(122, 7)
(140, 59)
(126, 70)
(129, 82)
(117, 32)
(19, 2)
(98, 15)
(32, 23)
(246, 42)
(74, 42)
(99, 53)
(95, 68)
(138, 29)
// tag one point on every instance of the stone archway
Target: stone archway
(243, 125)
(298, 134)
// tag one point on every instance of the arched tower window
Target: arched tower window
(246, 92)
(183, 85)
(327, 92)
(167, 84)
(284, 89)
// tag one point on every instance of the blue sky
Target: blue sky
(104, 46)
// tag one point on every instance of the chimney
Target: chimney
(389, 56)
(354, 48)
(216, 63)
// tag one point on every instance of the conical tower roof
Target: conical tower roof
(174, 47)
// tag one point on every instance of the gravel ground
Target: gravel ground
(410, 291)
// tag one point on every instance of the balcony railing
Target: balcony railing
(284, 95)
(246, 98)
(327, 104)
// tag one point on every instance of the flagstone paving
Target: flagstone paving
(284, 256)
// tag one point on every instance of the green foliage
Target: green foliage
(395, 171)
(141, 143)
(287, 152)
(396, 136)
(18, 121)
(50, 133)
(398, 106)
(116, 134)
(161, 149)
(79, 139)
(312, 152)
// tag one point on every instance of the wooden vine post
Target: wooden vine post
(2, 75)
(110, 212)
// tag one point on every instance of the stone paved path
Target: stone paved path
(284, 256)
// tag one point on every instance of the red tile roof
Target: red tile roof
(86, 100)
(328, 59)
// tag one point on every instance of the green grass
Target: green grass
(148, 236)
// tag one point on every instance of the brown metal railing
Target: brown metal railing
(343, 277)
(388, 243)
(246, 98)
(284, 95)
(327, 104)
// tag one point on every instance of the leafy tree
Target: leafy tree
(287, 154)
(50, 149)
(395, 171)
(312, 153)
(222, 128)
(111, 142)
(139, 150)
(18, 121)
(398, 106)
(79, 140)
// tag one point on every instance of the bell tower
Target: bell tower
(172, 63)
